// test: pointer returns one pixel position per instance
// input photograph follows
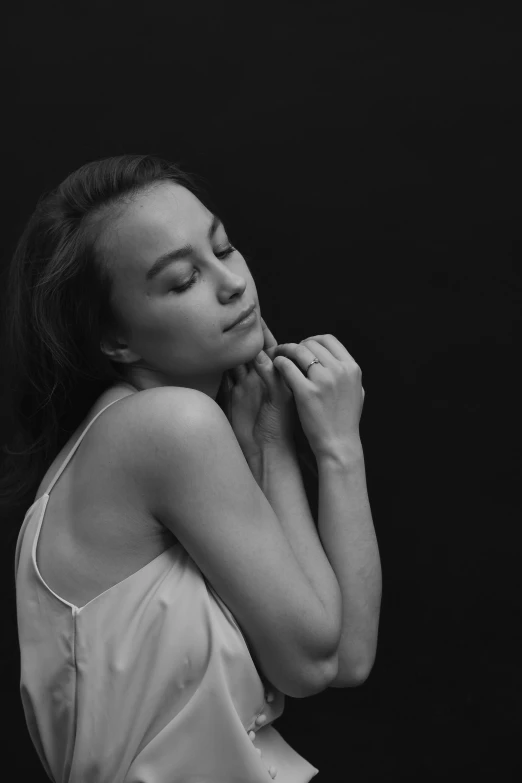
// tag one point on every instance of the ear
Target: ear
(118, 351)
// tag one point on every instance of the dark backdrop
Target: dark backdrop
(365, 154)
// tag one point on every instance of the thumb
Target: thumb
(271, 351)
(265, 368)
(263, 365)
(290, 373)
(261, 357)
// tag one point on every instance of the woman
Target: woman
(170, 590)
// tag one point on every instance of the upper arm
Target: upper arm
(198, 484)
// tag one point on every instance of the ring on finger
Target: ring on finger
(304, 356)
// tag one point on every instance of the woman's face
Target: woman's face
(176, 337)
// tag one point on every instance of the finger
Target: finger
(274, 381)
(251, 366)
(270, 341)
(320, 351)
(291, 374)
(264, 367)
(334, 345)
(238, 373)
(302, 355)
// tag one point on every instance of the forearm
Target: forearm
(276, 470)
(348, 537)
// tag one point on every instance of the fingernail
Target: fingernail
(261, 356)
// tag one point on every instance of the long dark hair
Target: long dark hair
(57, 307)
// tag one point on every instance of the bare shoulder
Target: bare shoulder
(151, 407)
(143, 420)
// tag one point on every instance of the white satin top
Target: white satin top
(150, 682)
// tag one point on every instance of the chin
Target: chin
(259, 343)
(249, 350)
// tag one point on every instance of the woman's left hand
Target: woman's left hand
(261, 410)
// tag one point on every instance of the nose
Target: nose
(233, 283)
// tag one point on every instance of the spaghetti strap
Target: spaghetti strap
(70, 454)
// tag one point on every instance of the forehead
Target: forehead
(157, 220)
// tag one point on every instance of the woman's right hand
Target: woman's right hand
(329, 400)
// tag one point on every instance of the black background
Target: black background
(365, 155)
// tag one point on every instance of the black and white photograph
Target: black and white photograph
(260, 434)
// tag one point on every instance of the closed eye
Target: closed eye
(226, 252)
(221, 254)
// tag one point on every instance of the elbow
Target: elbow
(356, 678)
(355, 663)
(352, 676)
(318, 678)
(331, 673)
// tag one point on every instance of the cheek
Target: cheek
(190, 326)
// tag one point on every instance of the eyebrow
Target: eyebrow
(174, 255)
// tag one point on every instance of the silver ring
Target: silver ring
(315, 361)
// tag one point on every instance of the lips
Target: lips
(240, 317)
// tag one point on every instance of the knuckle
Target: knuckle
(328, 380)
